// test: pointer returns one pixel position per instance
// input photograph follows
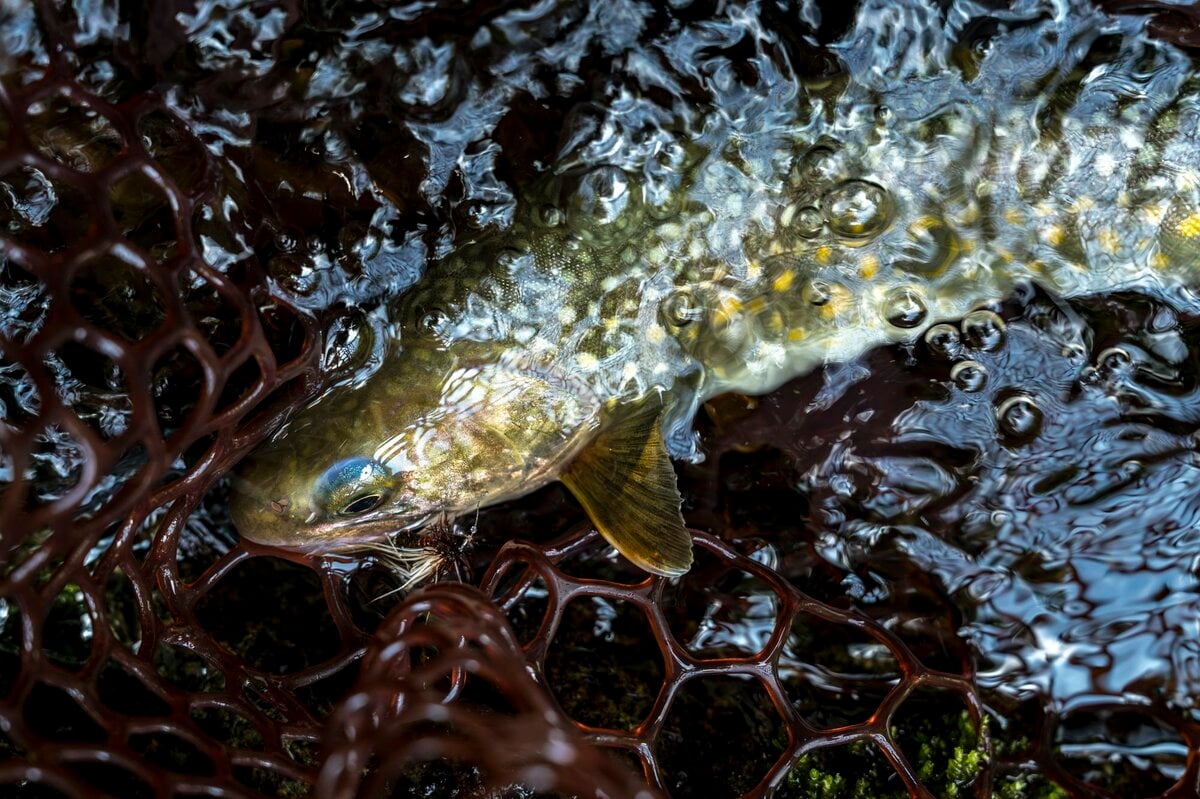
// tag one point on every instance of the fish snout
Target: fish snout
(268, 515)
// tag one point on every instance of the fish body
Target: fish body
(577, 344)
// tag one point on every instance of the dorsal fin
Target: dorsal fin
(625, 482)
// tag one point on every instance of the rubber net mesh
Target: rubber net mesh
(141, 657)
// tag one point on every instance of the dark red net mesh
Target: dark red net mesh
(143, 654)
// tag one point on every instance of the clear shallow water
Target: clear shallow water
(1054, 505)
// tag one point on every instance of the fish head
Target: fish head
(435, 431)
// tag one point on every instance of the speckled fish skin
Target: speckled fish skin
(839, 221)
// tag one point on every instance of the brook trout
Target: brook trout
(814, 224)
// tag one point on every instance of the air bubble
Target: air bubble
(1114, 359)
(904, 308)
(969, 376)
(857, 209)
(808, 222)
(601, 195)
(508, 257)
(1019, 418)
(983, 330)
(681, 308)
(431, 322)
(348, 344)
(817, 168)
(805, 220)
(817, 292)
(549, 216)
(943, 341)
(930, 249)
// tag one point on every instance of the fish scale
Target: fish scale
(1067, 156)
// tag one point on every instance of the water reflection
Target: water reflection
(807, 174)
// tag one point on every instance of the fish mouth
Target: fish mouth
(347, 534)
(275, 519)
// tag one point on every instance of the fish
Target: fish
(577, 344)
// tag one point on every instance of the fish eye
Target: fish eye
(362, 504)
(353, 486)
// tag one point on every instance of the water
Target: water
(1036, 462)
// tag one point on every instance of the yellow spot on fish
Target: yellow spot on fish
(868, 267)
(1152, 214)
(823, 254)
(1053, 235)
(797, 334)
(1160, 260)
(1084, 203)
(721, 318)
(1014, 216)
(587, 362)
(969, 214)
(784, 281)
(839, 302)
(1108, 240)
(1189, 226)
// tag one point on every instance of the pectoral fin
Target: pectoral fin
(625, 482)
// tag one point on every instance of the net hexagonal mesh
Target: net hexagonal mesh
(160, 315)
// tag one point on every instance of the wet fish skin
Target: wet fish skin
(570, 346)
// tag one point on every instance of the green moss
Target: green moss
(604, 665)
(272, 614)
(947, 765)
(856, 771)
(1027, 786)
(271, 783)
(228, 727)
(941, 746)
